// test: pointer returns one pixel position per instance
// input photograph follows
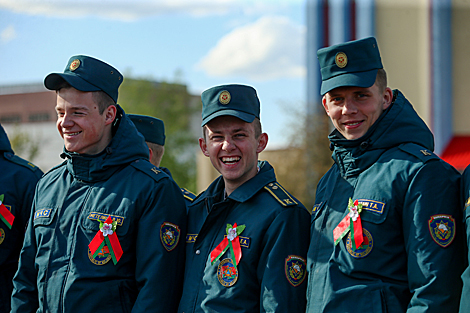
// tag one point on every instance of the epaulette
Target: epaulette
(418, 151)
(56, 167)
(188, 195)
(17, 160)
(149, 169)
(280, 194)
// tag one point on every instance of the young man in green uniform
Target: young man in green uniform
(153, 130)
(385, 233)
(247, 237)
(107, 228)
(465, 299)
(19, 178)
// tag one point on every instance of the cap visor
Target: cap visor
(246, 117)
(54, 80)
(357, 79)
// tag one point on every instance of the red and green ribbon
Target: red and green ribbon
(108, 238)
(232, 242)
(351, 222)
(5, 214)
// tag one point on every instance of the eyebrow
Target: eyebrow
(76, 107)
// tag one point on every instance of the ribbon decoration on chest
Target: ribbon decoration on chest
(107, 235)
(351, 222)
(232, 242)
(5, 214)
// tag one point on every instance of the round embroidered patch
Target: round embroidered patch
(341, 59)
(2, 235)
(364, 249)
(225, 97)
(74, 65)
(101, 258)
(169, 235)
(227, 273)
(295, 269)
(442, 229)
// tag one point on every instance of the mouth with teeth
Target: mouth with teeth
(72, 134)
(352, 124)
(230, 160)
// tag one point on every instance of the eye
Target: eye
(362, 95)
(336, 100)
(216, 138)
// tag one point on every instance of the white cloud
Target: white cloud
(8, 34)
(129, 10)
(270, 48)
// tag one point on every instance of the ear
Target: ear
(325, 106)
(150, 153)
(387, 97)
(110, 114)
(262, 142)
(203, 146)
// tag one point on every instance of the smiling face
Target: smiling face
(353, 110)
(80, 123)
(233, 149)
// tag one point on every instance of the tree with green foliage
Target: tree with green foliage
(23, 145)
(178, 109)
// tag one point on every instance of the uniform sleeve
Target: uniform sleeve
(25, 293)
(433, 238)
(282, 267)
(160, 250)
(465, 301)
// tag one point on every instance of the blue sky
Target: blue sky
(200, 43)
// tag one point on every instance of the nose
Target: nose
(228, 145)
(349, 107)
(65, 121)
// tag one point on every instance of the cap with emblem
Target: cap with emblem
(236, 100)
(85, 73)
(151, 128)
(354, 63)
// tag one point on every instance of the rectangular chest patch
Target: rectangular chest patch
(372, 205)
(244, 241)
(42, 213)
(191, 238)
(102, 217)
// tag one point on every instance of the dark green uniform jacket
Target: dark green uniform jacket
(412, 254)
(17, 183)
(465, 300)
(57, 272)
(271, 272)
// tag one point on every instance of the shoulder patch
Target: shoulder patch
(418, 151)
(296, 269)
(442, 229)
(280, 194)
(20, 161)
(188, 195)
(149, 169)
